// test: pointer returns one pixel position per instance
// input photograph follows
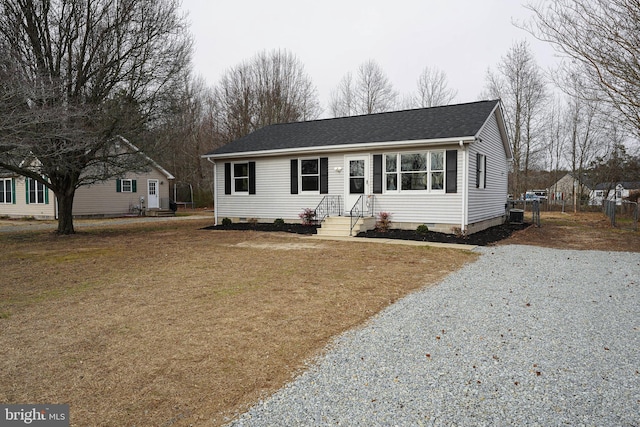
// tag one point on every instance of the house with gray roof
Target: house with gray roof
(445, 167)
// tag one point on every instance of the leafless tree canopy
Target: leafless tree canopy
(371, 92)
(601, 41)
(433, 89)
(269, 88)
(76, 74)
(521, 86)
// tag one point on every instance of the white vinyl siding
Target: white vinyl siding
(273, 198)
(488, 202)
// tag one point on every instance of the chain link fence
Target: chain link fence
(622, 213)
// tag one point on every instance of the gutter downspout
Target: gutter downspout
(465, 186)
(215, 191)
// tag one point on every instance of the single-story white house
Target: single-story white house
(445, 167)
(617, 191)
(133, 193)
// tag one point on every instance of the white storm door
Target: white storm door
(153, 200)
(356, 179)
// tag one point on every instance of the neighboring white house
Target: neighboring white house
(617, 191)
(445, 167)
(130, 194)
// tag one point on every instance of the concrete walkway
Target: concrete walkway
(394, 242)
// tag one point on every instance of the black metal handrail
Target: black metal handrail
(329, 205)
(358, 210)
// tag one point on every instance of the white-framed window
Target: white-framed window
(422, 171)
(391, 172)
(241, 177)
(127, 186)
(481, 171)
(6, 190)
(310, 174)
(436, 169)
(37, 192)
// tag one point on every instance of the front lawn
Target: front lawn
(168, 324)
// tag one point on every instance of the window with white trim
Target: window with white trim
(310, 174)
(37, 191)
(6, 190)
(127, 186)
(241, 178)
(436, 168)
(423, 171)
(481, 171)
(391, 172)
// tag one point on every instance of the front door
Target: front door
(153, 200)
(357, 169)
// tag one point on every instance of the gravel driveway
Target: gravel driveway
(524, 336)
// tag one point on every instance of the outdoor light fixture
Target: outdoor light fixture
(338, 169)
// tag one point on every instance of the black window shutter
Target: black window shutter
(377, 173)
(118, 185)
(477, 170)
(227, 178)
(324, 175)
(452, 171)
(294, 176)
(252, 177)
(134, 186)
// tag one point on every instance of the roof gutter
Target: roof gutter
(340, 148)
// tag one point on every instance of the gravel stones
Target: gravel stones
(523, 336)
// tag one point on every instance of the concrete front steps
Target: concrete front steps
(339, 226)
(159, 212)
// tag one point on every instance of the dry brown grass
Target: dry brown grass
(582, 230)
(153, 325)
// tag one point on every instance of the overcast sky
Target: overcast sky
(463, 38)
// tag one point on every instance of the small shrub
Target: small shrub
(422, 229)
(226, 221)
(384, 221)
(253, 221)
(279, 222)
(307, 215)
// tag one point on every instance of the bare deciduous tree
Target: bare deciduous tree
(521, 86)
(269, 88)
(584, 141)
(371, 92)
(184, 132)
(77, 74)
(555, 136)
(342, 102)
(601, 41)
(433, 90)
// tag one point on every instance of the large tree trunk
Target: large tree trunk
(65, 212)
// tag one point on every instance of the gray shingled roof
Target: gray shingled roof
(451, 121)
(627, 185)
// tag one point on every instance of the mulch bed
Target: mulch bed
(263, 226)
(482, 238)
